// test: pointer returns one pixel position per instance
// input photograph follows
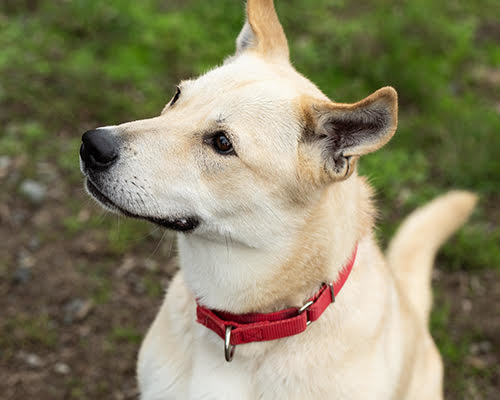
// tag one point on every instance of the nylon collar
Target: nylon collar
(238, 329)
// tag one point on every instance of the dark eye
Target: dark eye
(176, 96)
(222, 144)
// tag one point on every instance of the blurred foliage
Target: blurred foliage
(125, 333)
(27, 332)
(70, 65)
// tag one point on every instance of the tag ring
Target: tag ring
(228, 347)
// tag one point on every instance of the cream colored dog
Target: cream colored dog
(256, 169)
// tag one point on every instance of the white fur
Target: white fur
(108, 127)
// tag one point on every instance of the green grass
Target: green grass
(25, 332)
(123, 234)
(125, 334)
(153, 286)
(101, 285)
(453, 351)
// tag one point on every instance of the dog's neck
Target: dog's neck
(240, 279)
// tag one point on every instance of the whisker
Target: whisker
(158, 245)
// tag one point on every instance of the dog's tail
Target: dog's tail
(412, 250)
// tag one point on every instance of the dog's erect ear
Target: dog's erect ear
(263, 32)
(344, 132)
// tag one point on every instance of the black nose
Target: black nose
(99, 149)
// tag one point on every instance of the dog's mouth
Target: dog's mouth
(184, 224)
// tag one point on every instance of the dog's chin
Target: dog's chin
(183, 224)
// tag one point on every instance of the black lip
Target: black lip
(99, 196)
(178, 224)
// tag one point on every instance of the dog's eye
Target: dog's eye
(176, 96)
(222, 144)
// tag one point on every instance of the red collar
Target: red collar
(238, 329)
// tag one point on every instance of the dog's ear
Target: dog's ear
(341, 133)
(263, 32)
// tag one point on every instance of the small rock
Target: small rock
(77, 310)
(5, 162)
(474, 349)
(34, 243)
(34, 191)
(139, 287)
(485, 347)
(473, 393)
(47, 171)
(477, 362)
(5, 213)
(151, 265)
(476, 285)
(83, 215)
(21, 275)
(18, 217)
(466, 305)
(171, 267)
(62, 368)
(34, 361)
(125, 394)
(26, 259)
(436, 274)
(90, 247)
(478, 348)
(31, 359)
(404, 195)
(43, 217)
(84, 330)
(127, 265)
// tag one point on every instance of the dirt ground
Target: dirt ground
(73, 311)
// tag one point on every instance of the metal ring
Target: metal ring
(330, 285)
(305, 307)
(228, 347)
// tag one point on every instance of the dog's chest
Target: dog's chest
(213, 378)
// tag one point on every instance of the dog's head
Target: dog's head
(240, 149)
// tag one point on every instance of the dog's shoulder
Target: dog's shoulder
(162, 356)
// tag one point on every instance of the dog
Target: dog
(255, 168)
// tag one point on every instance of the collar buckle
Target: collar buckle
(305, 307)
